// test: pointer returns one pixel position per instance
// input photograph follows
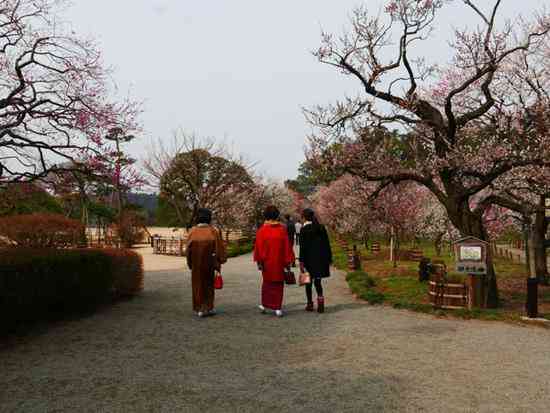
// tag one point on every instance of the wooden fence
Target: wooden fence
(177, 246)
(513, 251)
(168, 246)
(448, 295)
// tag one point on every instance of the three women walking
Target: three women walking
(273, 253)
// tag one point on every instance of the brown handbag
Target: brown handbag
(290, 278)
(304, 278)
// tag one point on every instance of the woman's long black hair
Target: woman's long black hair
(309, 215)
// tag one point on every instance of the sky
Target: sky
(237, 70)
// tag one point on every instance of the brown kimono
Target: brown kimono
(205, 254)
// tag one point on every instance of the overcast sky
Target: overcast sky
(236, 69)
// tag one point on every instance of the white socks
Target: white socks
(278, 313)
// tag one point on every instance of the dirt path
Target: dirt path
(151, 354)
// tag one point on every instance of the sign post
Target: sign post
(471, 259)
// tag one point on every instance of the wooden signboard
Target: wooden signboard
(471, 256)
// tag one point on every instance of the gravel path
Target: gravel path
(151, 354)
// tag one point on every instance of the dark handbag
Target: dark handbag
(290, 279)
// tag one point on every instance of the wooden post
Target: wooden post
(475, 293)
(439, 278)
(392, 252)
(354, 259)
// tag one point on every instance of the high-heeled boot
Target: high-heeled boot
(320, 304)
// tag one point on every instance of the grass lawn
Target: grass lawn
(380, 282)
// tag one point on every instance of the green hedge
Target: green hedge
(128, 271)
(234, 249)
(37, 285)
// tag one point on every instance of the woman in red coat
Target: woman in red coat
(274, 255)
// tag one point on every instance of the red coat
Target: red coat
(273, 250)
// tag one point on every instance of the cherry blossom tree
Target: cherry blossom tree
(452, 140)
(343, 206)
(350, 206)
(398, 208)
(299, 203)
(54, 94)
(434, 223)
(525, 189)
(271, 192)
(235, 209)
(525, 192)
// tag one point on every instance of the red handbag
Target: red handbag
(218, 281)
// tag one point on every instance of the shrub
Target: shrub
(26, 198)
(129, 228)
(127, 271)
(236, 249)
(364, 286)
(373, 297)
(41, 230)
(38, 284)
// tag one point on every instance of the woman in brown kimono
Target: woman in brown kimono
(205, 255)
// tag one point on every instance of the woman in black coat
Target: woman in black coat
(315, 257)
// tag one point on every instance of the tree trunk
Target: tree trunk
(392, 248)
(528, 243)
(491, 295)
(194, 216)
(366, 240)
(438, 244)
(84, 220)
(538, 235)
(470, 224)
(179, 213)
(100, 230)
(117, 185)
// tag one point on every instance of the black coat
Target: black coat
(315, 251)
(291, 230)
